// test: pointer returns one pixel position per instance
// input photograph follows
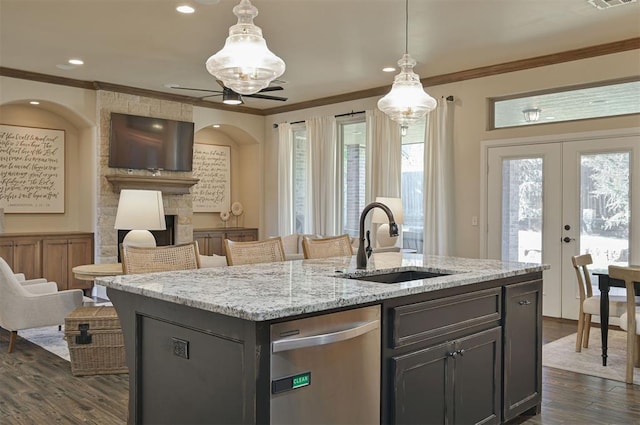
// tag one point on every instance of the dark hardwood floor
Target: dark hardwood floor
(37, 387)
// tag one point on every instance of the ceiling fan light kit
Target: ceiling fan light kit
(407, 102)
(245, 64)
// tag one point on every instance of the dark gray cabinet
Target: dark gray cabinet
(523, 355)
(453, 382)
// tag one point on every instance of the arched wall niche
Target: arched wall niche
(245, 152)
(80, 166)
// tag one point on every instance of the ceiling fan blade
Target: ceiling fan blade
(189, 88)
(264, 96)
(271, 88)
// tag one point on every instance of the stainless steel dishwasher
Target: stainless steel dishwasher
(326, 369)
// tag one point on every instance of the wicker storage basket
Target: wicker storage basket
(94, 337)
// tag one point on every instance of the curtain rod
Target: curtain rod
(449, 98)
(336, 116)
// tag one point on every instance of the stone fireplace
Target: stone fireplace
(176, 196)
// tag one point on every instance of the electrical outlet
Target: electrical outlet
(180, 348)
(474, 220)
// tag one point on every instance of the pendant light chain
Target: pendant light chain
(406, 27)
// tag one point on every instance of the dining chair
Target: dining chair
(253, 252)
(589, 303)
(334, 246)
(630, 320)
(138, 259)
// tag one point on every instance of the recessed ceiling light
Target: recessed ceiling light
(549, 118)
(34, 102)
(185, 9)
(216, 126)
(388, 69)
(76, 61)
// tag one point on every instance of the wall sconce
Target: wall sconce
(383, 239)
(532, 114)
(140, 211)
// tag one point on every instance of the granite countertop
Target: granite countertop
(275, 290)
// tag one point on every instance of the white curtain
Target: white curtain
(325, 190)
(384, 156)
(285, 179)
(438, 181)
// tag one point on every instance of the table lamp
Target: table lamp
(140, 211)
(383, 240)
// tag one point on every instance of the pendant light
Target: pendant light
(245, 64)
(407, 102)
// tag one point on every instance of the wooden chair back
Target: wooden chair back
(137, 259)
(335, 246)
(266, 251)
(580, 263)
(630, 275)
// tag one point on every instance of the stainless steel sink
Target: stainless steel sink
(397, 277)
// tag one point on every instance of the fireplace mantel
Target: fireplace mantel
(167, 185)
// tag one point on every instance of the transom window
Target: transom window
(604, 99)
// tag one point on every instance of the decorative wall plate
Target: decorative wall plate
(237, 208)
(224, 215)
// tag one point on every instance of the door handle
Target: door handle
(567, 239)
(322, 339)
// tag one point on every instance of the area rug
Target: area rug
(49, 338)
(561, 354)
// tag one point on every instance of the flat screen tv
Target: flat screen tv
(150, 143)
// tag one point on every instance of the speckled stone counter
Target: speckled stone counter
(277, 290)
(198, 343)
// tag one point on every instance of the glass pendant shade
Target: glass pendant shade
(245, 64)
(407, 102)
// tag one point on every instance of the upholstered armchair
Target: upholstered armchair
(32, 306)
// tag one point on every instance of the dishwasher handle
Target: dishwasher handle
(322, 339)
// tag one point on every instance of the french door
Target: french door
(549, 201)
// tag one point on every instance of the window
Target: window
(352, 137)
(412, 186)
(300, 178)
(605, 99)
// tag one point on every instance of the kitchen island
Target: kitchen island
(463, 346)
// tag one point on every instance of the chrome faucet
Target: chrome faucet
(363, 254)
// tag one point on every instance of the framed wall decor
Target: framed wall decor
(31, 169)
(212, 165)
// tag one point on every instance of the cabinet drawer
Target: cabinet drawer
(440, 318)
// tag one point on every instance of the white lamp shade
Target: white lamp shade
(394, 204)
(245, 64)
(140, 210)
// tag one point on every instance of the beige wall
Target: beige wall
(470, 128)
(90, 203)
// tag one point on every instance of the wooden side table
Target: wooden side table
(91, 271)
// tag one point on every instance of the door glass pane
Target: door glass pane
(604, 208)
(522, 210)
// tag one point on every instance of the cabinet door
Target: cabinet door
(478, 373)
(80, 251)
(216, 243)
(27, 257)
(247, 235)
(523, 354)
(6, 252)
(202, 240)
(423, 386)
(55, 261)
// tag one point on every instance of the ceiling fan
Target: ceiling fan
(230, 97)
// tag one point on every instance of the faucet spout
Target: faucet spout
(361, 257)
